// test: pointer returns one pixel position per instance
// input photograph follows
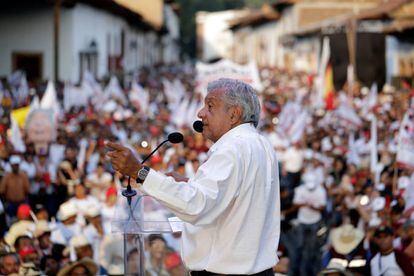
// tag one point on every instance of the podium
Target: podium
(141, 216)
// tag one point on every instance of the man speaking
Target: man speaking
(231, 206)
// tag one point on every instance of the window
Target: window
(89, 60)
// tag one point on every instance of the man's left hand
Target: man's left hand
(123, 160)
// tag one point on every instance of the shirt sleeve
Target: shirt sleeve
(203, 198)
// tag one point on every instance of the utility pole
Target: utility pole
(56, 38)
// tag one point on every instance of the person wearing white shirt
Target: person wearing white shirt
(231, 207)
(83, 202)
(388, 261)
(310, 199)
(293, 159)
(99, 182)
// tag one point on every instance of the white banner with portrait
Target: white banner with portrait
(227, 69)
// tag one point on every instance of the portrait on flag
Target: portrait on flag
(40, 127)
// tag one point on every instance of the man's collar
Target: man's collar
(242, 128)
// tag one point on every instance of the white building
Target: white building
(214, 38)
(100, 36)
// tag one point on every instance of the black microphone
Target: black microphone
(174, 138)
(198, 126)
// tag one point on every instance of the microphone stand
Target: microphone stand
(129, 193)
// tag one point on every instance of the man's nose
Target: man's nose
(200, 113)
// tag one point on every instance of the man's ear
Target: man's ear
(236, 114)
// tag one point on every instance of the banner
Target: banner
(405, 149)
(40, 126)
(226, 69)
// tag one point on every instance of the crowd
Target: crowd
(341, 212)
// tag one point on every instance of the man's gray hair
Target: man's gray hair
(238, 93)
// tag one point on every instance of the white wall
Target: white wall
(31, 31)
(66, 46)
(305, 53)
(90, 24)
(28, 31)
(217, 38)
(396, 50)
(170, 42)
(286, 24)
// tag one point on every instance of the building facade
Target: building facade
(103, 37)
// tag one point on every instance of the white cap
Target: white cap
(14, 160)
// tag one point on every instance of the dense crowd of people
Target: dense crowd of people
(341, 212)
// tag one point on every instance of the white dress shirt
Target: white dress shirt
(293, 159)
(385, 265)
(231, 206)
(315, 197)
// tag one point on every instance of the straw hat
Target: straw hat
(66, 210)
(86, 262)
(29, 269)
(79, 241)
(346, 238)
(93, 212)
(74, 243)
(20, 228)
(115, 269)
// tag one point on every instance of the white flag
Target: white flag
(353, 155)
(35, 104)
(347, 116)
(16, 137)
(50, 101)
(180, 115)
(370, 101)
(74, 96)
(374, 149)
(193, 109)
(93, 90)
(139, 97)
(405, 149)
(297, 129)
(114, 91)
(19, 87)
(174, 92)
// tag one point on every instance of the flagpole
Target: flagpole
(56, 38)
(395, 178)
(351, 36)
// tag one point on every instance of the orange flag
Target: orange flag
(329, 91)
